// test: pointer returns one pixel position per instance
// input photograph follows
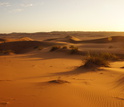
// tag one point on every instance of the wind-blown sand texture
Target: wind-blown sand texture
(33, 76)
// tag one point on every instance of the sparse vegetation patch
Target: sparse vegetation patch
(105, 56)
(94, 62)
(54, 48)
(64, 47)
(74, 50)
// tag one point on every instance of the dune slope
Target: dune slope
(24, 81)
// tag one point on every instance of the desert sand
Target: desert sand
(33, 76)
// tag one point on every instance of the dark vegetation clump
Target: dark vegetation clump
(99, 60)
(110, 56)
(72, 46)
(54, 48)
(93, 62)
(106, 56)
(64, 47)
(74, 50)
(71, 50)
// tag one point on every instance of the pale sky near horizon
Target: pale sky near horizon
(61, 15)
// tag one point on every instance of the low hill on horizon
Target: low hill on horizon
(56, 34)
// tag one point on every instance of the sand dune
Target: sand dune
(25, 39)
(65, 39)
(25, 46)
(76, 40)
(104, 40)
(72, 38)
(2, 40)
(23, 84)
(41, 78)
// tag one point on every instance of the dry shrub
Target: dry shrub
(74, 50)
(99, 60)
(72, 46)
(107, 56)
(54, 48)
(64, 47)
(94, 62)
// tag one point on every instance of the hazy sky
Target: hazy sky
(61, 15)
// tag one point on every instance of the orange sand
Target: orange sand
(24, 79)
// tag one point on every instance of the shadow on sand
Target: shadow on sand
(76, 71)
(50, 55)
(120, 83)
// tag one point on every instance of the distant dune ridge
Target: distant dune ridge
(73, 39)
(62, 69)
(60, 34)
(102, 40)
(23, 43)
(106, 40)
(65, 39)
(25, 39)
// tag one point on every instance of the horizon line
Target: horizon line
(58, 31)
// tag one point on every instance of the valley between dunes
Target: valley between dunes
(26, 74)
